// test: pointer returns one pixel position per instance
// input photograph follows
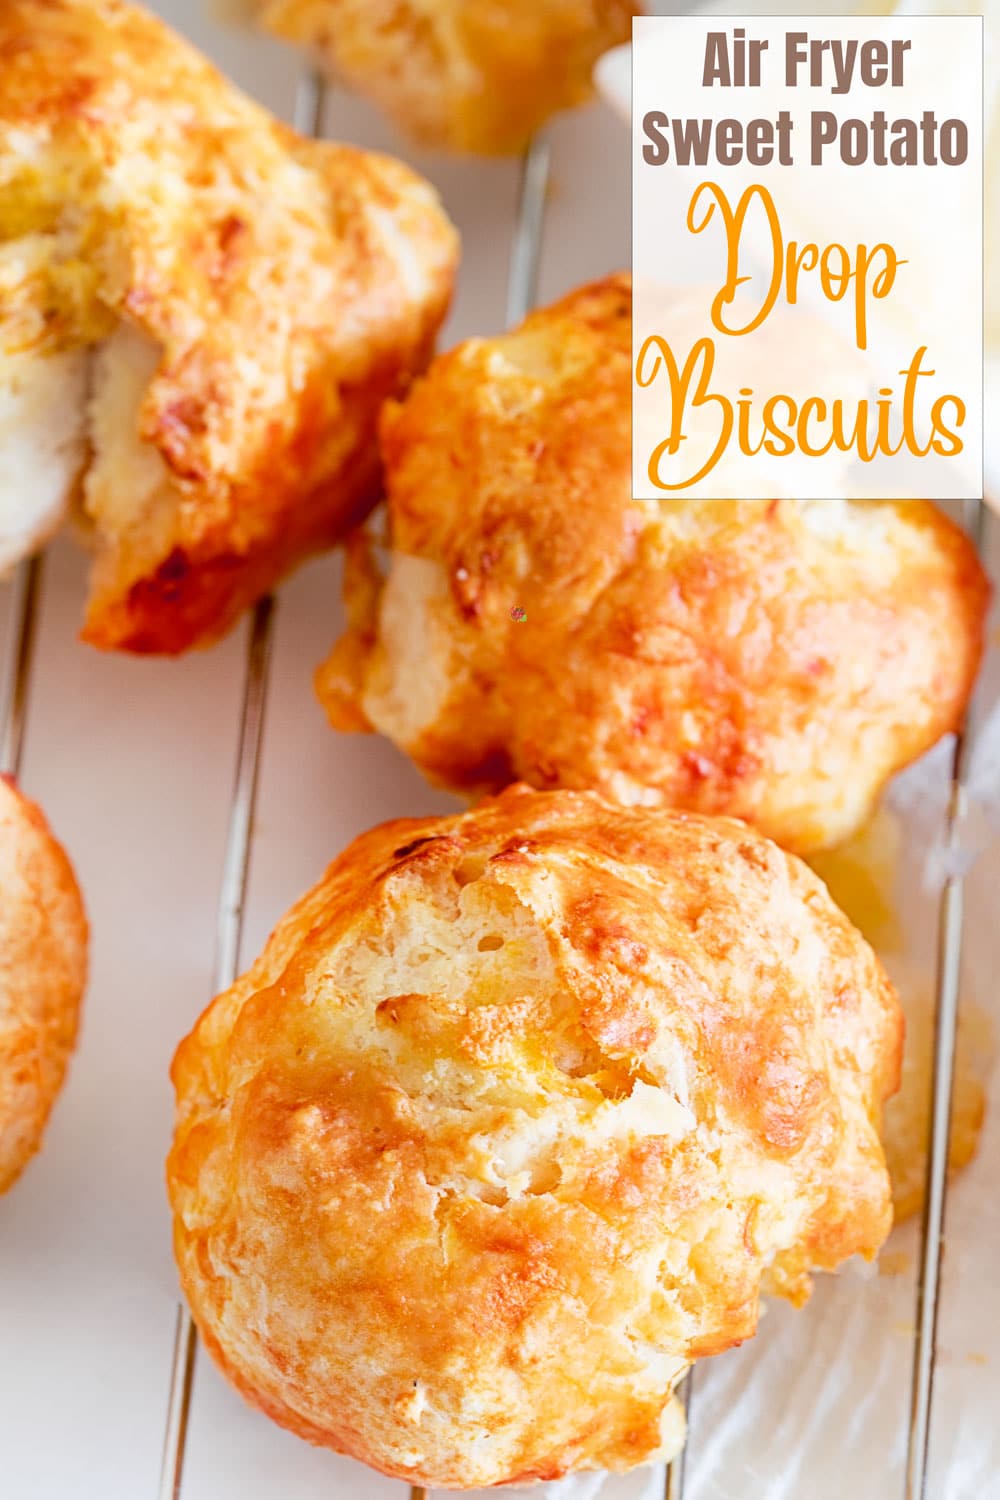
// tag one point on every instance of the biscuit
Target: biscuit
(43, 970)
(509, 1123)
(773, 660)
(466, 75)
(201, 313)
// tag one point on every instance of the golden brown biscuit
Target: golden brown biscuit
(43, 970)
(508, 1123)
(774, 660)
(238, 301)
(467, 75)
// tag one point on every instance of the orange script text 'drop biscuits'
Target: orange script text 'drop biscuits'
(511, 1120)
(776, 660)
(43, 969)
(200, 315)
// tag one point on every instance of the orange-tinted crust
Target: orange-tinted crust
(509, 1122)
(466, 75)
(290, 285)
(775, 660)
(43, 970)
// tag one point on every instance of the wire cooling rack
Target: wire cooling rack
(521, 286)
(18, 657)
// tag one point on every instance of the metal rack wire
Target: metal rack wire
(522, 283)
(951, 921)
(15, 682)
(232, 897)
(17, 658)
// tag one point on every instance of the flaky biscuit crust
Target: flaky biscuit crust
(509, 1121)
(290, 286)
(771, 660)
(43, 970)
(467, 75)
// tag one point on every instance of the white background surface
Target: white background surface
(133, 762)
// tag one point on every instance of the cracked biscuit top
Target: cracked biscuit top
(510, 1120)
